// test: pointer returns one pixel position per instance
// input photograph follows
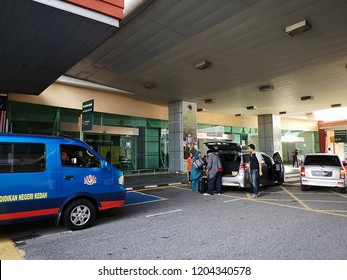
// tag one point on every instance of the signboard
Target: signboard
(340, 136)
(87, 115)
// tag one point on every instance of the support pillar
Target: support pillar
(182, 134)
(269, 134)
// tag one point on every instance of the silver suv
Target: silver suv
(323, 170)
(236, 165)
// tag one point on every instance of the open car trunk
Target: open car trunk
(231, 163)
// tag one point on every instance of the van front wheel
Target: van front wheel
(79, 214)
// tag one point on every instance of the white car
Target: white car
(323, 170)
(236, 165)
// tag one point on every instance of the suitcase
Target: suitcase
(203, 183)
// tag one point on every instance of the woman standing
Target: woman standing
(196, 173)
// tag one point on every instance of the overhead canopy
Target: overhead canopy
(39, 43)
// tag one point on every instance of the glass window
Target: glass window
(78, 156)
(322, 160)
(22, 157)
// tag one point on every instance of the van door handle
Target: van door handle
(69, 177)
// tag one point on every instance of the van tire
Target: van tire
(303, 188)
(342, 190)
(79, 214)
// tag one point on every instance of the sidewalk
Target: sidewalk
(167, 179)
(154, 180)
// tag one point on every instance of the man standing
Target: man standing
(255, 169)
(295, 158)
(214, 173)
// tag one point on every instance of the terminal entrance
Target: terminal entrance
(119, 150)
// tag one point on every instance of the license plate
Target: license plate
(322, 173)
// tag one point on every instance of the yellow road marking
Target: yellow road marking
(340, 194)
(8, 251)
(297, 199)
(268, 201)
(322, 201)
(340, 211)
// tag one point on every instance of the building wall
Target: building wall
(68, 96)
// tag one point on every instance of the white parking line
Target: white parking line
(163, 213)
(151, 186)
(232, 200)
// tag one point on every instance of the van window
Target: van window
(22, 157)
(78, 156)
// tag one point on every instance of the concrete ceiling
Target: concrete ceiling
(244, 40)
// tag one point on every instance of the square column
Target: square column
(269, 134)
(182, 134)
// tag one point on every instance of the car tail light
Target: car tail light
(342, 173)
(243, 166)
(302, 171)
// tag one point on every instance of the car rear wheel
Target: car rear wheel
(303, 188)
(342, 190)
(79, 214)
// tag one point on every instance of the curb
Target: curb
(8, 250)
(154, 186)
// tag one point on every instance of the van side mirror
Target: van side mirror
(104, 164)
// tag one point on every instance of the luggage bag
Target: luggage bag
(203, 184)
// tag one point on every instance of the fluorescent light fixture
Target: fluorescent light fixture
(307, 97)
(149, 85)
(266, 88)
(335, 105)
(201, 110)
(74, 9)
(283, 112)
(202, 65)
(210, 101)
(237, 115)
(250, 107)
(298, 28)
(310, 116)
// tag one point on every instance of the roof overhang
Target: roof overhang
(41, 40)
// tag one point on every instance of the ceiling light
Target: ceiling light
(201, 110)
(150, 85)
(266, 88)
(202, 65)
(298, 28)
(335, 105)
(210, 101)
(237, 115)
(250, 107)
(307, 97)
(283, 112)
(310, 116)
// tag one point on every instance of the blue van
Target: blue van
(46, 176)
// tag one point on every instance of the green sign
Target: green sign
(87, 115)
(340, 136)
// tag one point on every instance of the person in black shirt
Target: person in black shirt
(295, 158)
(255, 170)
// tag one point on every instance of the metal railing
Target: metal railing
(148, 171)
